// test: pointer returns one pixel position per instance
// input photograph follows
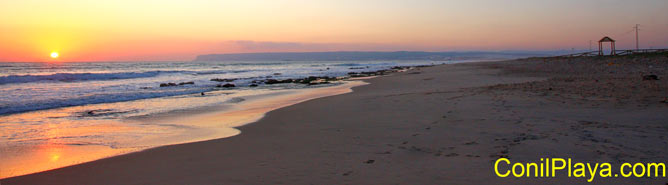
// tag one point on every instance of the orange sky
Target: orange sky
(122, 30)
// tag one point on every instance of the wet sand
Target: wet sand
(93, 139)
(437, 125)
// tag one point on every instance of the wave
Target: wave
(220, 72)
(92, 99)
(366, 64)
(349, 64)
(73, 77)
(70, 77)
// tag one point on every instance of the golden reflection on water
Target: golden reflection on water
(51, 155)
(52, 149)
(66, 142)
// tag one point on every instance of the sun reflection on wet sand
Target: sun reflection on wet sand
(61, 141)
(49, 156)
(26, 156)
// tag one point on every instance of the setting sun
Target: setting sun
(54, 54)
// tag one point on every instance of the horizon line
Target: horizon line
(337, 51)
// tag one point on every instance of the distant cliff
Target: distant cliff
(364, 56)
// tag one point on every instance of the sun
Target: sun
(54, 55)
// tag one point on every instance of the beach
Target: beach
(445, 124)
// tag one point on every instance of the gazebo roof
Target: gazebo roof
(606, 39)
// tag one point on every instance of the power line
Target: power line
(637, 43)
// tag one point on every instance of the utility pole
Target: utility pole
(590, 49)
(637, 45)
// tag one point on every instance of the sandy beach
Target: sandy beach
(445, 124)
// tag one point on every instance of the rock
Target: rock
(167, 84)
(227, 85)
(223, 79)
(274, 81)
(313, 80)
(271, 81)
(307, 80)
(369, 73)
(370, 161)
(252, 85)
(175, 84)
(650, 77)
(277, 74)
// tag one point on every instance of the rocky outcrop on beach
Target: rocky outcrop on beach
(311, 80)
(227, 85)
(274, 81)
(170, 84)
(224, 79)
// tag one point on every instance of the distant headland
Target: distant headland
(369, 56)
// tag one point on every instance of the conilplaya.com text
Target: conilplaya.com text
(550, 167)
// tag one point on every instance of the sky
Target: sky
(165, 30)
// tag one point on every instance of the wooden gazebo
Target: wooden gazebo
(612, 45)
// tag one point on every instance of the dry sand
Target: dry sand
(437, 125)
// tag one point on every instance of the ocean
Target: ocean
(38, 86)
(59, 114)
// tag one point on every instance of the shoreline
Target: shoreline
(445, 123)
(190, 124)
(217, 123)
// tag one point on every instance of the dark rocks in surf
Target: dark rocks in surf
(103, 112)
(187, 83)
(274, 81)
(378, 72)
(271, 81)
(170, 84)
(223, 79)
(314, 80)
(227, 85)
